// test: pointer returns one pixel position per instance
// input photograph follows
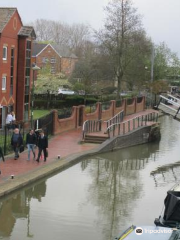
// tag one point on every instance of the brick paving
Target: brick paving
(65, 144)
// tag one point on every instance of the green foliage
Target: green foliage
(70, 101)
(40, 113)
(47, 82)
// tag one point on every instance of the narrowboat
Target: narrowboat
(171, 212)
(149, 233)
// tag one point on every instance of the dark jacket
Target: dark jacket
(18, 142)
(1, 153)
(43, 142)
(31, 138)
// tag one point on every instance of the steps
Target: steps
(95, 139)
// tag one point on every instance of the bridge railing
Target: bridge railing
(169, 101)
(116, 119)
(131, 124)
(91, 126)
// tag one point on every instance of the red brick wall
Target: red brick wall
(107, 114)
(68, 65)
(121, 108)
(140, 106)
(48, 53)
(62, 125)
(9, 38)
(21, 79)
(130, 109)
(92, 116)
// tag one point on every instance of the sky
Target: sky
(161, 18)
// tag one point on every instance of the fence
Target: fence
(132, 124)
(6, 134)
(90, 108)
(91, 126)
(45, 123)
(116, 119)
(64, 113)
(105, 105)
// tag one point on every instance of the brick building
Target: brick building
(58, 59)
(15, 65)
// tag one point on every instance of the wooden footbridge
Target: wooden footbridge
(169, 104)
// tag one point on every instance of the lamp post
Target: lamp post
(34, 68)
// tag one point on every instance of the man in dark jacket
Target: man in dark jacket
(31, 142)
(16, 142)
(42, 145)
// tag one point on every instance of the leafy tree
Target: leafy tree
(122, 36)
(48, 83)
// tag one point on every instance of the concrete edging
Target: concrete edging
(57, 165)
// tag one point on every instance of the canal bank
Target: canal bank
(68, 147)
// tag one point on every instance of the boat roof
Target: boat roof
(149, 233)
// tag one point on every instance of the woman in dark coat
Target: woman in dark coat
(16, 142)
(42, 145)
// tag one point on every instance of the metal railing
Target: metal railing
(64, 113)
(105, 105)
(90, 108)
(91, 126)
(116, 119)
(132, 124)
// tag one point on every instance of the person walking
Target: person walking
(13, 120)
(42, 145)
(9, 120)
(16, 142)
(1, 155)
(31, 143)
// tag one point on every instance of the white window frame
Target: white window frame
(6, 49)
(53, 60)
(53, 70)
(4, 83)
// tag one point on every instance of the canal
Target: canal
(98, 197)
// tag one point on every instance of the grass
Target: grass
(40, 113)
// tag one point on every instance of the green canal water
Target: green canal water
(98, 197)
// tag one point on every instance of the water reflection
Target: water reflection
(17, 206)
(116, 184)
(166, 174)
(100, 196)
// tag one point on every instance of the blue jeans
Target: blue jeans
(30, 148)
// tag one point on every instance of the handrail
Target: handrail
(173, 97)
(170, 101)
(91, 126)
(131, 123)
(116, 119)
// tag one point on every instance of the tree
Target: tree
(48, 83)
(68, 37)
(122, 36)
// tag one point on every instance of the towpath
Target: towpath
(68, 145)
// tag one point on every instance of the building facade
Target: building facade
(15, 65)
(54, 57)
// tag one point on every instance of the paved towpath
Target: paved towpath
(68, 145)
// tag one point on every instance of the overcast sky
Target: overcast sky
(161, 18)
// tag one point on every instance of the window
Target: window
(53, 70)
(12, 72)
(4, 53)
(3, 83)
(53, 60)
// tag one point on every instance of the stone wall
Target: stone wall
(141, 135)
